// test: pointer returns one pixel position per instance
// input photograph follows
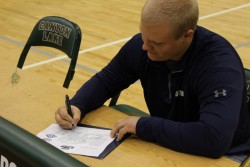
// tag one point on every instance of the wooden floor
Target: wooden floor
(106, 26)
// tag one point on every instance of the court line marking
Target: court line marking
(225, 11)
(79, 65)
(126, 39)
(242, 45)
(82, 51)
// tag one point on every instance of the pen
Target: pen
(67, 103)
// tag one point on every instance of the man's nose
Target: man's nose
(146, 45)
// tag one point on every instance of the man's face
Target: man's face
(161, 44)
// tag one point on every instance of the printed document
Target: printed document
(87, 141)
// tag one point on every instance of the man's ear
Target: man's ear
(189, 35)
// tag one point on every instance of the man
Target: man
(193, 82)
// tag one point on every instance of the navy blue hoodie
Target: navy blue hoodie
(197, 105)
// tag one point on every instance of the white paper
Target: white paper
(81, 140)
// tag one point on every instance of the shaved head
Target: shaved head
(180, 15)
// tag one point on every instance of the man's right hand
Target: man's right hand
(64, 119)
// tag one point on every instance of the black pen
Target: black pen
(67, 103)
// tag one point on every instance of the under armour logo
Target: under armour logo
(179, 93)
(223, 92)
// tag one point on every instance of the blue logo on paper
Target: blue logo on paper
(50, 135)
(64, 147)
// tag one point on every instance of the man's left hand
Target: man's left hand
(124, 126)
